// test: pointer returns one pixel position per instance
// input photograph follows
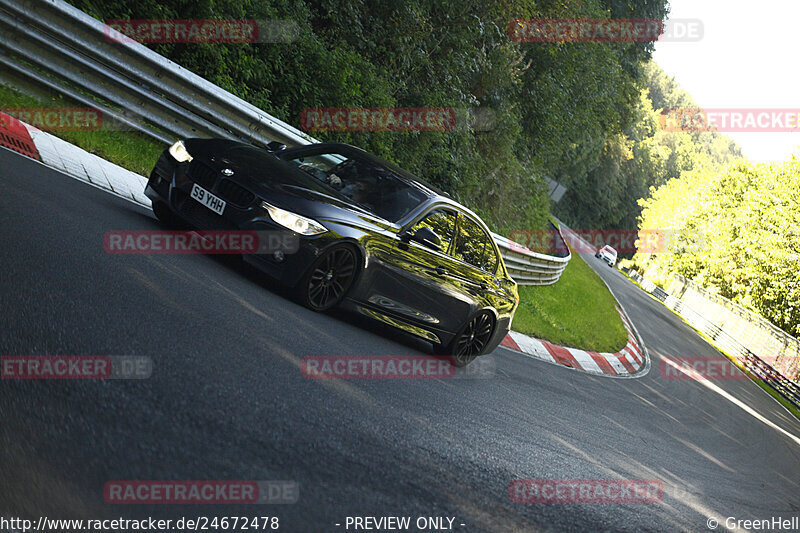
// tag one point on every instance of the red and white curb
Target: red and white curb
(73, 161)
(631, 360)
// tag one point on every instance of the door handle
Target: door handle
(441, 271)
(484, 285)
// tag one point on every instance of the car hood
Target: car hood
(274, 180)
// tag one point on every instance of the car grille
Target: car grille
(228, 190)
(202, 175)
(235, 193)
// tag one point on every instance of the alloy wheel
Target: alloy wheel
(473, 339)
(331, 277)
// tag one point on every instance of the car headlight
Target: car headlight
(298, 224)
(179, 152)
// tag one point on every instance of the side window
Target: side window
(443, 223)
(490, 257)
(473, 246)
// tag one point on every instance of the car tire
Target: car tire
(329, 278)
(470, 341)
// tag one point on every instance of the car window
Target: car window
(490, 257)
(373, 187)
(319, 166)
(473, 245)
(443, 223)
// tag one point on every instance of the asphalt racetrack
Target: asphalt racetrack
(227, 400)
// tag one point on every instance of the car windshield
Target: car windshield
(366, 183)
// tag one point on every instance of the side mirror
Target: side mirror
(275, 146)
(427, 237)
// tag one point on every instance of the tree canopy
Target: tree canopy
(736, 233)
(526, 110)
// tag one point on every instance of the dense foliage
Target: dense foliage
(735, 223)
(737, 234)
(562, 110)
(606, 194)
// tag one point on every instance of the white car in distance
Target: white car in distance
(607, 254)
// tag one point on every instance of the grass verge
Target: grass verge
(577, 311)
(128, 149)
(792, 408)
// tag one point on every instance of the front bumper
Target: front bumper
(171, 183)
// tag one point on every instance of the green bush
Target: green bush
(736, 234)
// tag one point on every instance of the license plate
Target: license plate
(207, 199)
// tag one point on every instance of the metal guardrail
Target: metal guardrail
(724, 340)
(50, 46)
(531, 268)
(750, 361)
(763, 337)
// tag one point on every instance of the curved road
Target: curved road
(227, 399)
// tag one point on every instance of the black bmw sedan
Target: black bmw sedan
(373, 238)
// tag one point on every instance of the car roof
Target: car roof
(443, 201)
